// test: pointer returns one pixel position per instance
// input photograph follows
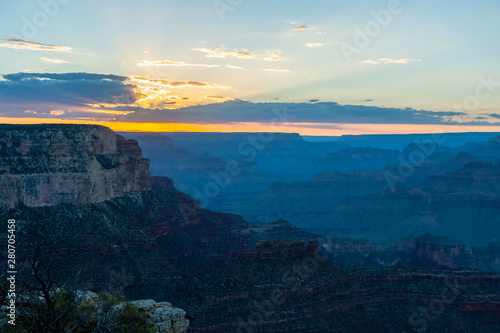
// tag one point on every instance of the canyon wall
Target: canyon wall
(45, 165)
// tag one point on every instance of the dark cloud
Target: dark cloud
(17, 77)
(494, 115)
(70, 95)
(322, 112)
(25, 45)
(46, 91)
(313, 100)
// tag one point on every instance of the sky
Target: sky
(318, 67)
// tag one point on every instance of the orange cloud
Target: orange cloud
(158, 93)
(221, 98)
(273, 55)
(302, 28)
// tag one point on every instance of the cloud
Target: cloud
(279, 70)
(67, 77)
(235, 67)
(57, 113)
(320, 44)
(150, 63)
(73, 96)
(222, 53)
(314, 112)
(24, 45)
(303, 28)
(221, 98)
(76, 95)
(55, 61)
(158, 94)
(145, 52)
(315, 44)
(44, 93)
(175, 84)
(382, 61)
(273, 55)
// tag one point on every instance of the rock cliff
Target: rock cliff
(45, 165)
(167, 319)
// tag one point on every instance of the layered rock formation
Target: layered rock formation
(278, 249)
(462, 205)
(159, 244)
(167, 319)
(426, 251)
(45, 165)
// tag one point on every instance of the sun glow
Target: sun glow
(165, 94)
(313, 129)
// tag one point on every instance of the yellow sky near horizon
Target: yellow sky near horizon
(308, 129)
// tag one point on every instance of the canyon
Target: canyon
(45, 165)
(148, 240)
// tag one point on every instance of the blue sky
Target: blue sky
(183, 55)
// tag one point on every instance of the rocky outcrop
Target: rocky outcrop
(281, 229)
(166, 318)
(428, 251)
(45, 165)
